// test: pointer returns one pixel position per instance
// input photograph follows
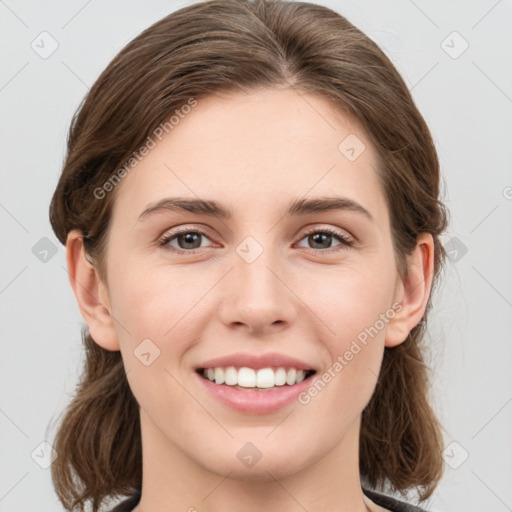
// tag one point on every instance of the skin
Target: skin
(254, 153)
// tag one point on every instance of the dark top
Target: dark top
(391, 503)
(380, 499)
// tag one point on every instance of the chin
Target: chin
(268, 466)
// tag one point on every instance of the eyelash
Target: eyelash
(164, 241)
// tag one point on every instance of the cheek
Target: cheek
(350, 299)
(153, 308)
(354, 305)
(154, 302)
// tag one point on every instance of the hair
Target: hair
(222, 46)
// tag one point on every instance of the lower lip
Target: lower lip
(255, 402)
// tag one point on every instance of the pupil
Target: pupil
(318, 237)
(189, 239)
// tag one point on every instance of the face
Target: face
(186, 287)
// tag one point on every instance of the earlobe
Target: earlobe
(90, 293)
(413, 291)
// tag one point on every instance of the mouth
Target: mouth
(250, 379)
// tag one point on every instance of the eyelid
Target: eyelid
(346, 240)
(342, 233)
(170, 234)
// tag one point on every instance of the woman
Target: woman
(250, 209)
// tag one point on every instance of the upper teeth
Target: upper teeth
(250, 378)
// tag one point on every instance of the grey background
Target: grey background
(466, 99)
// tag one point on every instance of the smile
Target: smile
(246, 378)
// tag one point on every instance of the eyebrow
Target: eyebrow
(216, 209)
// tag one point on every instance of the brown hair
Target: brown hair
(217, 46)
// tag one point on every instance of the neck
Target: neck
(173, 479)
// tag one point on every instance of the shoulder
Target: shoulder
(391, 503)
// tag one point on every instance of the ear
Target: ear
(413, 291)
(90, 292)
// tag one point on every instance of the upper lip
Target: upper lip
(256, 361)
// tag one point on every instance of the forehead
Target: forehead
(270, 146)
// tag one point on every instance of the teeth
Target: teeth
(249, 378)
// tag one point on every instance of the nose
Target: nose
(256, 296)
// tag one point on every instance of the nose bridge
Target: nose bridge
(260, 283)
(257, 297)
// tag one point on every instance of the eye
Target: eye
(322, 238)
(187, 239)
